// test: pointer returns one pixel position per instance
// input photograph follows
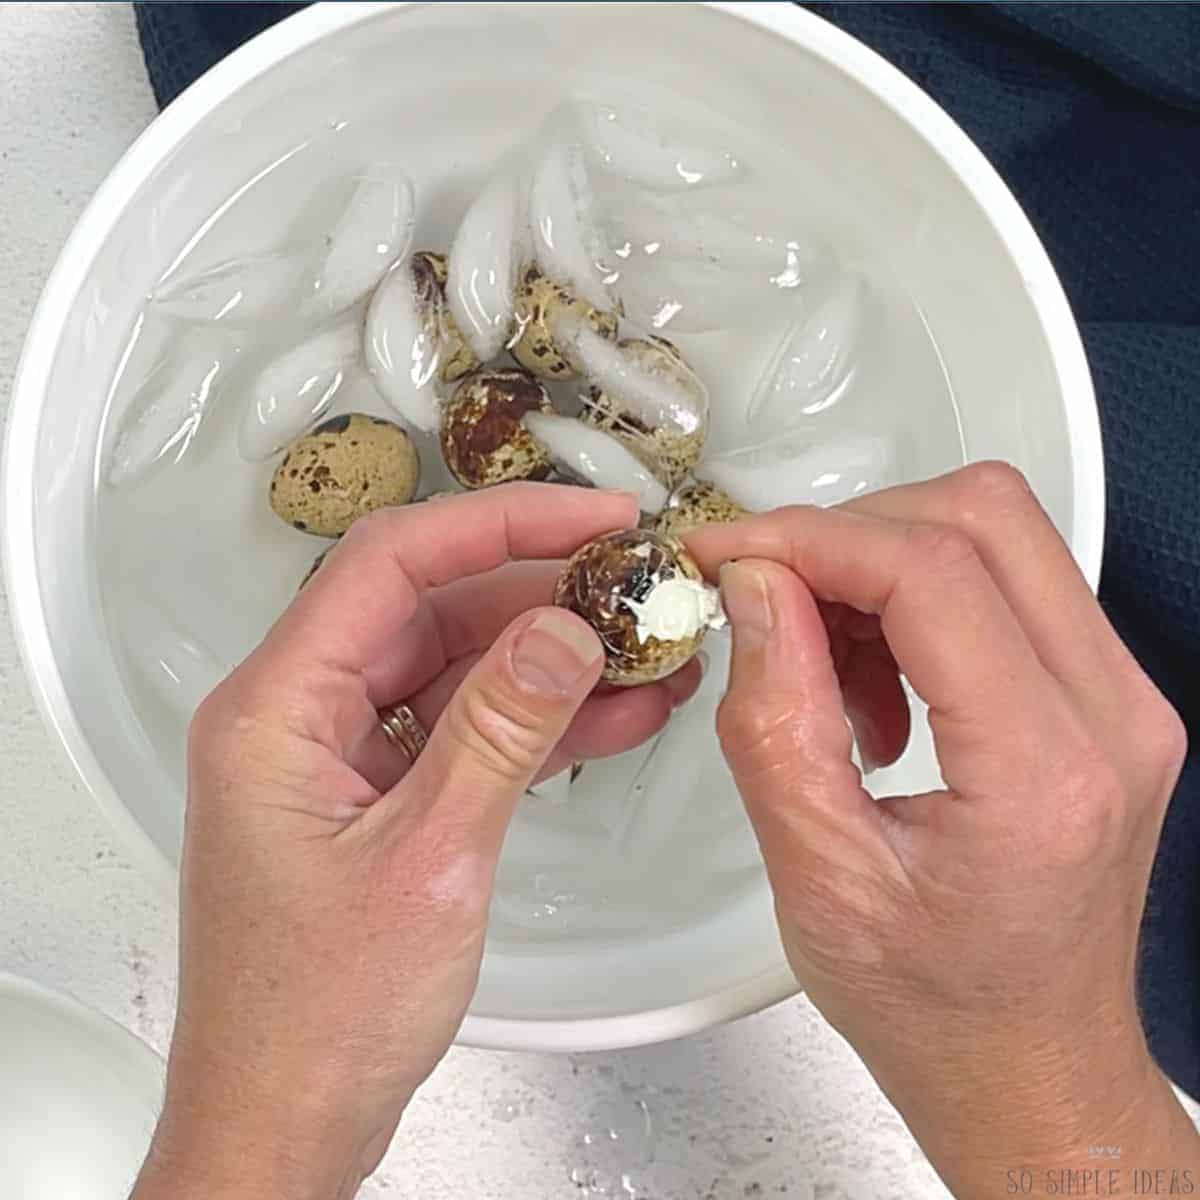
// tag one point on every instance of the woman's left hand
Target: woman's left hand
(334, 897)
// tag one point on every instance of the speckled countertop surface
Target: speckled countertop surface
(771, 1106)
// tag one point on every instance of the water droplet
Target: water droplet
(296, 387)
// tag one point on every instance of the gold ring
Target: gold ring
(401, 727)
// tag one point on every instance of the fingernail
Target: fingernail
(747, 600)
(555, 652)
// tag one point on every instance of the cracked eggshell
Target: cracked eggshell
(665, 446)
(347, 467)
(483, 440)
(597, 580)
(546, 308)
(695, 504)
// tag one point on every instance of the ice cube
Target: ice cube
(254, 288)
(671, 296)
(485, 260)
(799, 469)
(744, 237)
(295, 388)
(375, 230)
(165, 413)
(814, 361)
(630, 143)
(687, 267)
(595, 457)
(402, 347)
(567, 242)
(655, 387)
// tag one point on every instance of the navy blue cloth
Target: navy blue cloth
(1091, 112)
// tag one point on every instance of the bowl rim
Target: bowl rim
(139, 1053)
(796, 25)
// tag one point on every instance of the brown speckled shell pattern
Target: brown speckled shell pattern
(539, 302)
(483, 440)
(430, 271)
(666, 453)
(345, 468)
(697, 504)
(596, 579)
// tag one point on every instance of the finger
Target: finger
(615, 722)
(500, 727)
(871, 689)
(875, 702)
(951, 631)
(462, 618)
(1035, 572)
(608, 723)
(369, 588)
(784, 735)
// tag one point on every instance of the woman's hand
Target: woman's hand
(975, 944)
(334, 900)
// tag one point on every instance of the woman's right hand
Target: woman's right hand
(975, 944)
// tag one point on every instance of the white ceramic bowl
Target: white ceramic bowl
(79, 1100)
(928, 200)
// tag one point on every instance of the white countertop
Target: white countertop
(771, 1106)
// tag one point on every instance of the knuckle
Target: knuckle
(216, 723)
(497, 731)
(1088, 807)
(996, 486)
(1163, 738)
(439, 876)
(371, 529)
(940, 549)
(207, 722)
(750, 732)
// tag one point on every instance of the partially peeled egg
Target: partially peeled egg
(647, 600)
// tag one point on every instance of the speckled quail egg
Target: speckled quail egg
(483, 440)
(656, 405)
(346, 467)
(455, 357)
(696, 503)
(646, 599)
(545, 308)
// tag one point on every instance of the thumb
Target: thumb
(504, 720)
(784, 733)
